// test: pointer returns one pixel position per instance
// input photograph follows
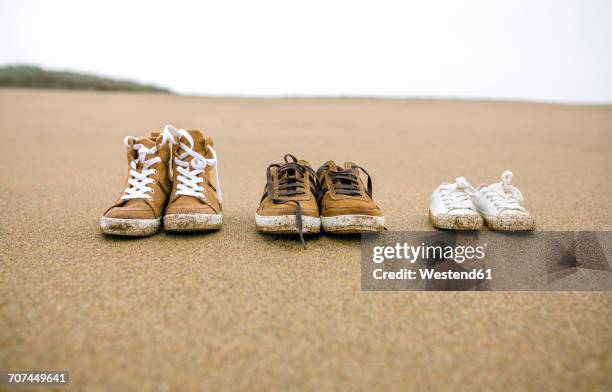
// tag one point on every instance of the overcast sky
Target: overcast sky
(555, 50)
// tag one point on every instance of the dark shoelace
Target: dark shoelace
(291, 178)
(346, 181)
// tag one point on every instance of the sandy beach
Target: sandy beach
(238, 310)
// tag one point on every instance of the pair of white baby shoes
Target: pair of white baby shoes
(459, 206)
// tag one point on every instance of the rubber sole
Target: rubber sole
(511, 223)
(129, 227)
(193, 222)
(456, 222)
(287, 224)
(353, 223)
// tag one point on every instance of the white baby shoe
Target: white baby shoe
(452, 208)
(500, 206)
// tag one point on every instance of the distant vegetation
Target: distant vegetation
(36, 77)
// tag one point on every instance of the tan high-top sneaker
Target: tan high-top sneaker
(289, 203)
(346, 204)
(195, 201)
(138, 211)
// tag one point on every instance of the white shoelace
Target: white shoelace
(458, 195)
(506, 196)
(189, 171)
(139, 180)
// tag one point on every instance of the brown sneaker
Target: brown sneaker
(346, 205)
(138, 211)
(289, 203)
(195, 201)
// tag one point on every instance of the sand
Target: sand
(240, 310)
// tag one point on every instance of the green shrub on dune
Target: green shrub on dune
(36, 77)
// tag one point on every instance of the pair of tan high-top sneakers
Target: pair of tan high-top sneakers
(299, 200)
(171, 175)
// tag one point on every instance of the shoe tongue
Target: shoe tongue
(148, 142)
(303, 163)
(497, 187)
(331, 165)
(349, 165)
(199, 141)
(292, 172)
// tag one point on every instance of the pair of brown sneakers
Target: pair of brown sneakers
(299, 200)
(171, 175)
